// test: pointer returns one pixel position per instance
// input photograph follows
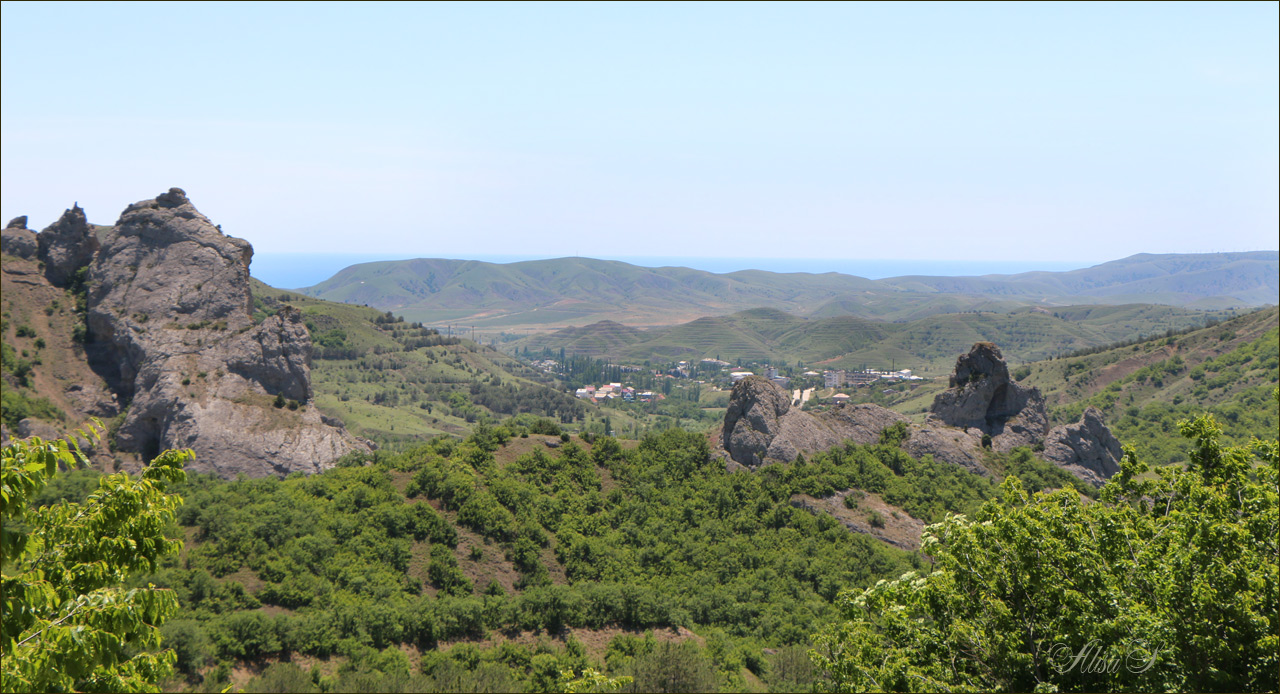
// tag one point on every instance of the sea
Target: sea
(301, 270)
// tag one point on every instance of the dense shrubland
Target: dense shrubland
(407, 550)
(1169, 583)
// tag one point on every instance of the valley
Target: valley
(588, 498)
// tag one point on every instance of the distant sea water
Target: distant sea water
(298, 270)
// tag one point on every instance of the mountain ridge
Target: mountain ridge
(536, 294)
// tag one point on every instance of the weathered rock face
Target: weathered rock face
(171, 327)
(66, 246)
(1086, 449)
(760, 425)
(17, 240)
(983, 401)
(983, 397)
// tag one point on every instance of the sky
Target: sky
(942, 132)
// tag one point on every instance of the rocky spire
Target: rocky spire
(66, 246)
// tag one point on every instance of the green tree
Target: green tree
(68, 622)
(1167, 583)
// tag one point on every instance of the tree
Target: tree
(1167, 583)
(68, 622)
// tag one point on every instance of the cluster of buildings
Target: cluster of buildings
(769, 373)
(836, 379)
(613, 391)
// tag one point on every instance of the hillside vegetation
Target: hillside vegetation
(394, 382)
(499, 559)
(1144, 389)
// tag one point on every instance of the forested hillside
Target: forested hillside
(1144, 389)
(499, 560)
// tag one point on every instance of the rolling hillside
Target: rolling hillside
(549, 294)
(394, 382)
(928, 345)
(1144, 388)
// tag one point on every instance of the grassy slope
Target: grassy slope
(1229, 370)
(1144, 389)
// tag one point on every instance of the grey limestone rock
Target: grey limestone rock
(172, 329)
(1086, 449)
(17, 223)
(982, 396)
(19, 241)
(947, 445)
(66, 246)
(760, 425)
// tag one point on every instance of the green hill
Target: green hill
(544, 294)
(1230, 279)
(1144, 389)
(394, 382)
(927, 345)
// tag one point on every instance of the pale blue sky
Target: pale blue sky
(946, 132)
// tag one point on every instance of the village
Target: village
(655, 384)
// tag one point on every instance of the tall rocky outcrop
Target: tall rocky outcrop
(66, 246)
(984, 398)
(171, 326)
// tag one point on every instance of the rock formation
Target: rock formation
(17, 240)
(760, 425)
(170, 319)
(983, 397)
(1086, 449)
(66, 246)
(983, 406)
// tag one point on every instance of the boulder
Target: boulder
(1086, 449)
(947, 445)
(66, 246)
(172, 331)
(19, 241)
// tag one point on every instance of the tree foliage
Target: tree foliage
(69, 623)
(1168, 583)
